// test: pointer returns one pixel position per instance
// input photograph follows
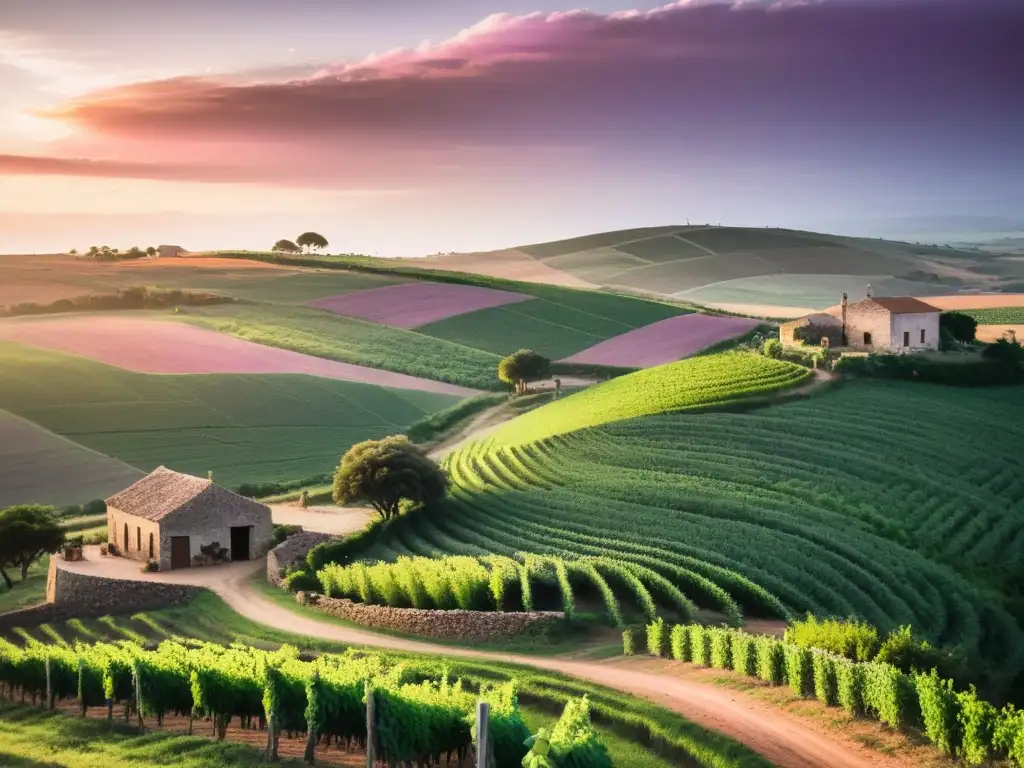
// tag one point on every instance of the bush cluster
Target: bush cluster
(958, 723)
(999, 368)
(132, 297)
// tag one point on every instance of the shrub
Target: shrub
(151, 566)
(628, 645)
(1008, 735)
(978, 721)
(282, 532)
(849, 685)
(94, 507)
(700, 645)
(799, 672)
(772, 348)
(856, 640)
(721, 647)
(681, 650)
(771, 660)
(962, 327)
(911, 654)
(888, 694)
(744, 658)
(826, 686)
(574, 742)
(656, 637)
(939, 711)
(302, 580)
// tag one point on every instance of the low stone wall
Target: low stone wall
(468, 626)
(290, 550)
(77, 595)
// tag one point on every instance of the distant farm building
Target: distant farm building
(165, 251)
(876, 324)
(179, 520)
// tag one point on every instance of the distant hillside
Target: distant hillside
(762, 271)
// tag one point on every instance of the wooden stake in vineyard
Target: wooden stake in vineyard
(484, 753)
(371, 727)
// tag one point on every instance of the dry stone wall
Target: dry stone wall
(289, 551)
(467, 626)
(76, 595)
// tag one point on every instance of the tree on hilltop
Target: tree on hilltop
(27, 533)
(151, 251)
(285, 246)
(522, 367)
(311, 240)
(383, 473)
(73, 252)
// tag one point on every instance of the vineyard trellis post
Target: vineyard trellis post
(484, 756)
(81, 688)
(137, 688)
(371, 726)
(49, 684)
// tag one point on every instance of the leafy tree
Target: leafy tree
(73, 252)
(1005, 350)
(151, 251)
(93, 252)
(772, 348)
(311, 240)
(961, 326)
(27, 533)
(285, 246)
(384, 472)
(522, 367)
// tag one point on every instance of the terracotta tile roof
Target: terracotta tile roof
(903, 305)
(163, 492)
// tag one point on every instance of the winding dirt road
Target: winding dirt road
(785, 740)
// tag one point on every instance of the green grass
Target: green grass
(730, 239)
(246, 428)
(587, 242)
(894, 502)
(25, 593)
(997, 316)
(31, 457)
(694, 383)
(35, 738)
(273, 287)
(661, 249)
(350, 340)
(557, 324)
(814, 291)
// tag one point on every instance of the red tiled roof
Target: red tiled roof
(903, 305)
(164, 492)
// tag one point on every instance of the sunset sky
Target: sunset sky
(405, 127)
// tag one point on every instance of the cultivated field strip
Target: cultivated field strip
(858, 501)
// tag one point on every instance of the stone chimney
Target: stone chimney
(844, 303)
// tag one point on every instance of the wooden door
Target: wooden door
(181, 552)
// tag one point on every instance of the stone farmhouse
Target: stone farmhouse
(179, 520)
(169, 251)
(876, 324)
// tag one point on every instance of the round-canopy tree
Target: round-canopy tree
(522, 367)
(285, 246)
(960, 326)
(310, 240)
(382, 473)
(27, 533)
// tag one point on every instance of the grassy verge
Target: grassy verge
(25, 593)
(34, 738)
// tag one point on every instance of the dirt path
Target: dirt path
(322, 519)
(787, 741)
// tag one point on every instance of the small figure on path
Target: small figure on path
(558, 388)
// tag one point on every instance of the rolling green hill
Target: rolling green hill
(854, 501)
(748, 266)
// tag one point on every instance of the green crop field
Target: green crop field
(558, 323)
(350, 340)
(668, 248)
(246, 428)
(687, 384)
(997, 316)
(895, 502)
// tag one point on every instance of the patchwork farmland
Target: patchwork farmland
(761, 271)
(245, 428)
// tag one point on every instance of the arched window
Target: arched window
(150, 546)
(138, 538)
(126, 542)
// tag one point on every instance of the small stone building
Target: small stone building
(876, 324)
(179, 520)
(169, 251)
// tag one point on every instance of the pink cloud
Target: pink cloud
(685, 76)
